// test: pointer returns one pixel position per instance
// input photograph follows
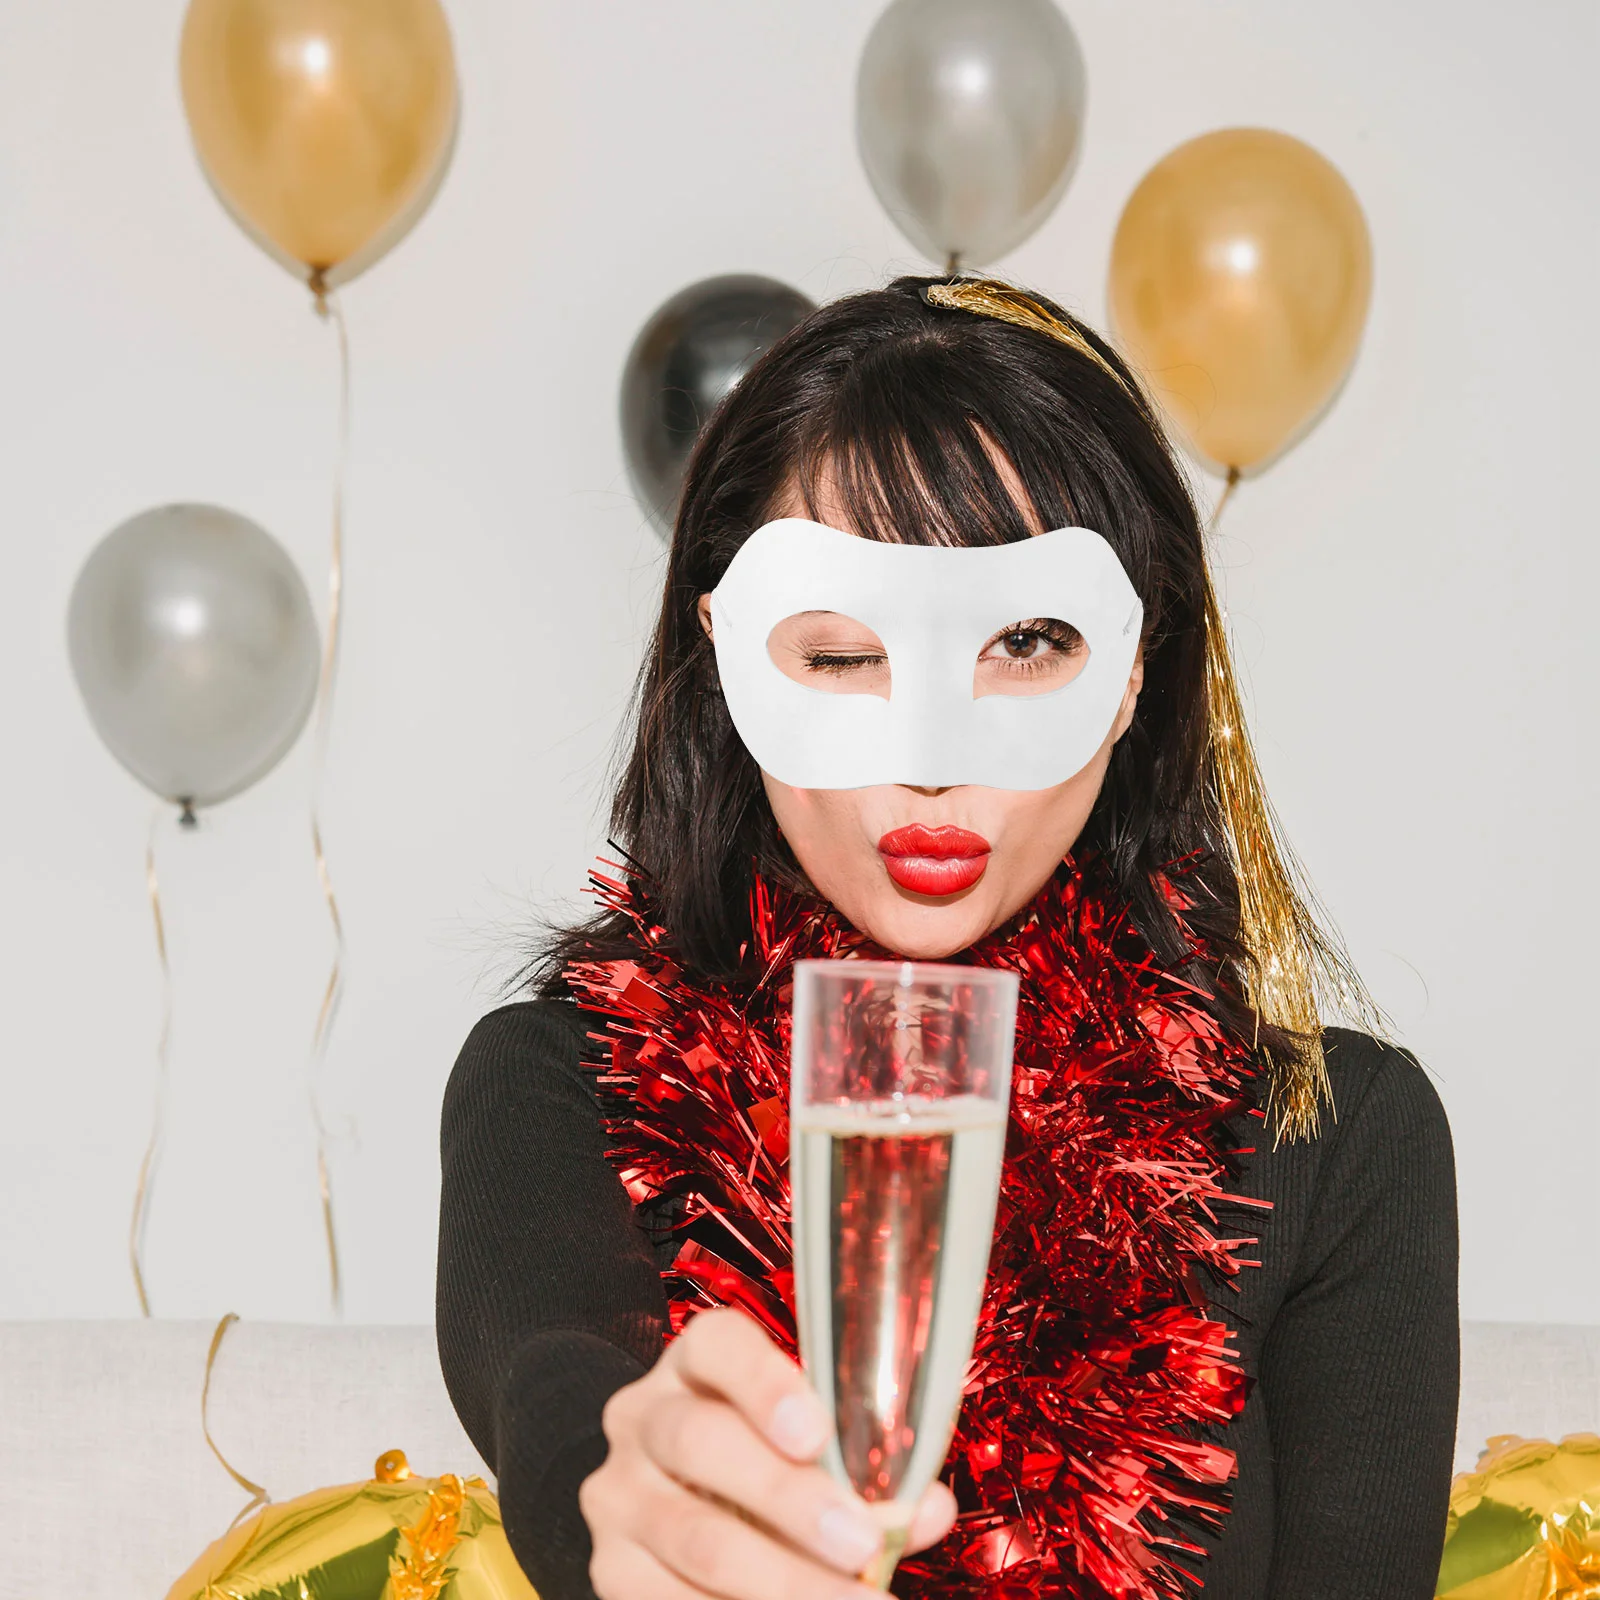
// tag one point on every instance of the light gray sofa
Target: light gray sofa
(108, 1492)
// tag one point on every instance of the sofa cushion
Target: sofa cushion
(103, 1464)
(1539, 1380)
(103, 1461)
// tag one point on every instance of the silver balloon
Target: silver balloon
(195, 649)
(687, 357)
(969, 117)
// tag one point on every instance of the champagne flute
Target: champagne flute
(900, 1084)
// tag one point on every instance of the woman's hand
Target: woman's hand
(722, 1429)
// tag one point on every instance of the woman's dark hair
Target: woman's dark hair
(898, 406)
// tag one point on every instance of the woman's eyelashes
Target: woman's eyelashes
(842, 656)
(1040, 644)
(835, 661)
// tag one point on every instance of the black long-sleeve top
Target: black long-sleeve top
(550, 1299)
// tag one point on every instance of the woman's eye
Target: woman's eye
(1021, 645)
(1034, 641)
(827, 650)
(826, 661)
(1034, 656)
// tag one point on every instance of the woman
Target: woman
(1191, 1161)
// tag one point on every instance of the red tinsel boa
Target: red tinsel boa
(1079, 1460)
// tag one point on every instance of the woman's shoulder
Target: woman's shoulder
(1378, 1093)
(1381, 1095)
(516, 1044)
(524, 1026)
(1382, 1114)
(1379, 1168)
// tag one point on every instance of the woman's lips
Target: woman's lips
(934, 861)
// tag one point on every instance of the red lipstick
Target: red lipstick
(934, 861)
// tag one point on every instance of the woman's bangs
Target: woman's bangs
(909, 458)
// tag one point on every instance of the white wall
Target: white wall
(1412, 586)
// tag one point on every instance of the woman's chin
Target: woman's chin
(922, 928)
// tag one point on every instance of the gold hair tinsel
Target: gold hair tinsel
(1297, 970)
(988, 297)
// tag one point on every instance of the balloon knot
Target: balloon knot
(318, 284)
(186, 816)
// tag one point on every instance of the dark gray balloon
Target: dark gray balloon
(969, 118)
(195, 649)
(686, 358)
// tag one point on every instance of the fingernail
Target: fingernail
(847, 1537)
(798, 1425)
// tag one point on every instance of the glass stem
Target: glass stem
(880, 1569)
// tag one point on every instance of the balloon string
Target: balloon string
(152, 1149)
(259, 1496)
(1223, 498)
(328, 307)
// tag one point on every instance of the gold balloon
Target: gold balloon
(324, 126)
(394, 1538)
(1526, 1524)
(1240, 278)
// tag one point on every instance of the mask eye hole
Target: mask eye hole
(829, 651)
(1033, 656)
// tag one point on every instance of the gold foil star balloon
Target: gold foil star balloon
(1526, 1524)
(396, 1537)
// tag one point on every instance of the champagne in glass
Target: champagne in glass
(901, 1079)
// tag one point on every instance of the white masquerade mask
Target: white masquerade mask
(935, 609)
